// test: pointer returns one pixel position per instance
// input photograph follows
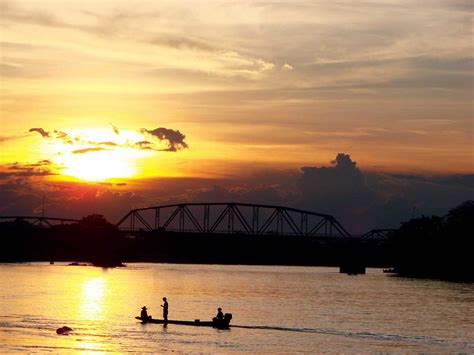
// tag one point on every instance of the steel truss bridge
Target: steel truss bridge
(232, 218)
(378, 234)
(41, 221)
(225, 218)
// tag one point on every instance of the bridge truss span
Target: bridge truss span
(232, 218)
(378, 234)
(40, 220)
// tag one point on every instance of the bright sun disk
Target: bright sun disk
(116, 159)
(96, 166)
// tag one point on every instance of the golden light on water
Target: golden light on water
(93, 298)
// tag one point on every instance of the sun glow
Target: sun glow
(97, 155)
(96, 166)
(93, 289)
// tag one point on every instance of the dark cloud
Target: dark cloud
(17, 197)
(344, 174)
(112, 184)
(108, 144)
(44, 162)
(24, 171)
(144, 145)
(340, 190)
(174, 138)
(405, 196)
(65, 200)
(66, 138)
(44, 134)
(88, 150)
(362, 201)
(466, 180)
(63, 136)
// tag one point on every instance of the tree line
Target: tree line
(428, 246)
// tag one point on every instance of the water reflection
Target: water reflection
(323, 309)
(93, 298)
(89, 344)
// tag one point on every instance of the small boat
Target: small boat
(215, 323)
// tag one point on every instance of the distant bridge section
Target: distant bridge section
(41, 221)
(378, 234)
(232, 218)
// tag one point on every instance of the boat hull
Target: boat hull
(195, 323)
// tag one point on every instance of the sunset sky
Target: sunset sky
(108, 105)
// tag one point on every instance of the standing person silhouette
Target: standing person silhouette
(165, 309)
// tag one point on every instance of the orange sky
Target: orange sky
(282, 84)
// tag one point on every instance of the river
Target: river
(279, 308)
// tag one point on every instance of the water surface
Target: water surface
(275, 309)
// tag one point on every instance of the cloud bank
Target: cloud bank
(359, 200)
(172, 139)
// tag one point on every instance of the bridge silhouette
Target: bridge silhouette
(41, 220)
(226, 218)
(232, 218)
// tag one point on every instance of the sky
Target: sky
(360, 109)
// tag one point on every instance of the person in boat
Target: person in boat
(165, 309)
(144, 314)
(220, 316)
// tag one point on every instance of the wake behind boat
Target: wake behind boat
(216, 323)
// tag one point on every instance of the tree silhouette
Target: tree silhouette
(95, 221)
(437, 246)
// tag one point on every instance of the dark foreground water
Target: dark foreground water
(275, 308)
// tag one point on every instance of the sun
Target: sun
(98, 166)
(98, 155)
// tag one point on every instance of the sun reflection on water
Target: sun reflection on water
(92, 298)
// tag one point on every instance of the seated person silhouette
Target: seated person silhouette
(220, 316)
(144, 314)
